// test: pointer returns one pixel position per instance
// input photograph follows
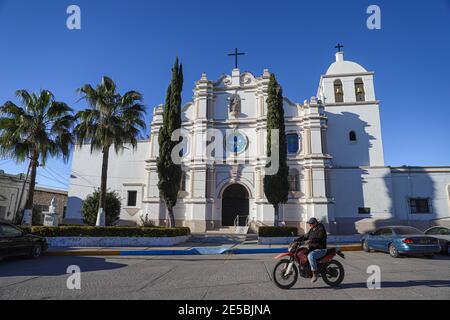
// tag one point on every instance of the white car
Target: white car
(443, 235)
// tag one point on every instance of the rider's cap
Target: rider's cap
(313, 221)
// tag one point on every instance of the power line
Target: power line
(58, 174)
(47, 186)
(56, 179)
(52, 179)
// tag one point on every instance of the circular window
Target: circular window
(237, 142)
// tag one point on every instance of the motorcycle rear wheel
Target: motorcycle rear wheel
(333, 273)
(282, 281)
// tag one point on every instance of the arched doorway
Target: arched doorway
(235, 202)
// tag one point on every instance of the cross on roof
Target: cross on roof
(339, 47)
(236, 54)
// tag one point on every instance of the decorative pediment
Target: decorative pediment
(248, 79)
(224, 81)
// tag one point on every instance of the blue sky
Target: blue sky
(136, 41)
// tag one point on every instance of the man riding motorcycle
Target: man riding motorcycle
(316, 240)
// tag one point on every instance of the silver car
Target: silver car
(443, 235)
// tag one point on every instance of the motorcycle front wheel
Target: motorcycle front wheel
(333, 273)
(281, 278)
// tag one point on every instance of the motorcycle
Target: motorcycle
(286, 272)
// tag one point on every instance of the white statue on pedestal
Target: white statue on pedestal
(51, 217)
(53, 206)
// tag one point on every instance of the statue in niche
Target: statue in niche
(235, 104)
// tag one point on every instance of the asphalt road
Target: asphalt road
(246, 277)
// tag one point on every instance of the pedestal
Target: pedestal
(101, 219)
(50, 219)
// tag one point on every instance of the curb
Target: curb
(188, 252)
(81, 253)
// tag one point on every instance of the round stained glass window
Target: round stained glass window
(237, 142)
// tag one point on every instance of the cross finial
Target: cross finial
(236, 54)
(339, 47)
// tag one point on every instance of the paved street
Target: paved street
(216, 277)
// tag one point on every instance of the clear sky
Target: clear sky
(136, 41)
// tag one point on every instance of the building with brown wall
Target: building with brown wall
(43, 198)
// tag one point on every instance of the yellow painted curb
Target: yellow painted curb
(352, 248)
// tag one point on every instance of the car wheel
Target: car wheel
(428, 256)
(448, 248)
(366, 247)
(393, 251)
(36, 251)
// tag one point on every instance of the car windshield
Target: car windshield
(407, 231)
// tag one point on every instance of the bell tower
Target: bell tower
(348, 94)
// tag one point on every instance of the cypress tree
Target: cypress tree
(276, 187)
(170, 174)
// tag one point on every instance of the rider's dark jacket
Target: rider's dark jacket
(317, 237)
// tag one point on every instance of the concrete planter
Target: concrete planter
(331, 239)
(115, 242)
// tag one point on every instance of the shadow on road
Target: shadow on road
(393, 284)
(49, 266)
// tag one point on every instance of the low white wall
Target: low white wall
(276, 240)
(115, 242)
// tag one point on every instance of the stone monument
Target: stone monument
(51, 217)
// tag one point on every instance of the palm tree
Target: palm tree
(39, 129)
(110, 120)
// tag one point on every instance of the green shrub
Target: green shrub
(90, 208)
(126, 232)
(278, 232)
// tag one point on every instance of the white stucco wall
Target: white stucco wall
(10, 190)
(421, 182)
(386, 191)
(126, 172)
(365, 121)
(354, 188)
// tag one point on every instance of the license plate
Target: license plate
(424, 241)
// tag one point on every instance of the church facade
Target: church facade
(335, 156)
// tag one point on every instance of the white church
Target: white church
(335, 156)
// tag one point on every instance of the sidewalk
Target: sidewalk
(186, 249)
